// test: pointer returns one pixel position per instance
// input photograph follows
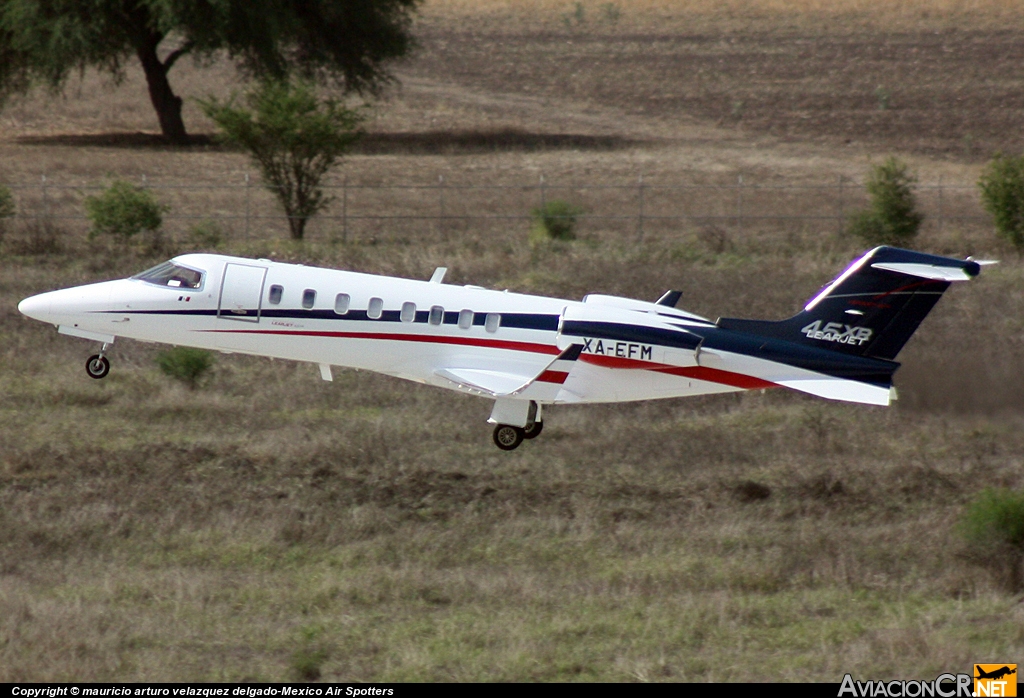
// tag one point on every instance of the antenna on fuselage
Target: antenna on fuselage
(438, 276)
(670, 298)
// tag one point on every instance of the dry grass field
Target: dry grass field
(269, 526)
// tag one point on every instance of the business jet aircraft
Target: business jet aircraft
(524, 352)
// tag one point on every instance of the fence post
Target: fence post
(246, 205)
(739, 205)
(640, 215)
(839, 205)
(440, 201)
(344, 210)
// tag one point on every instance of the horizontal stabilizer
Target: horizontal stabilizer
(926, 271)
(840, 389)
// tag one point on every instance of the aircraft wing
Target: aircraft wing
(497, 384)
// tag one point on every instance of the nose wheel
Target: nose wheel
(97, 366)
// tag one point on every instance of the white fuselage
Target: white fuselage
(463, 338)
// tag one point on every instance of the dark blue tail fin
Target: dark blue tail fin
(872, 308)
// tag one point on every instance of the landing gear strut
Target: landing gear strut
(533, 430)
(98, 366)
(507, 437)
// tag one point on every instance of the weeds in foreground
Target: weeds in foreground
(993, 527)
(185, 364)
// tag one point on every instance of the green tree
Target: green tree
(893, 218)
(293, 137)
(1002, 195)
(123, 210)
(350, 42)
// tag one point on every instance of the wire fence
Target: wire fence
(640, 210)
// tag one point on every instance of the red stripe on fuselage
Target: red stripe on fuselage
(395, 337)
(702, 373)
(711, 375)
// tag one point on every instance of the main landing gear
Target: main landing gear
(98, 366)
(508, 437)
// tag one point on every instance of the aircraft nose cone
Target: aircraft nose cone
(36, 307)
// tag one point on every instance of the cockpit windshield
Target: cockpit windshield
(173, 275)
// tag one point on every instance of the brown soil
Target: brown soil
(953, 94)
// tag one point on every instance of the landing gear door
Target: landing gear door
(241, 292)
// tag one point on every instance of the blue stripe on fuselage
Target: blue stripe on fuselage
(522, 321)
(822, 361)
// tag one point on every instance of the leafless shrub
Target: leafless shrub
(715, 238)
(37, 236)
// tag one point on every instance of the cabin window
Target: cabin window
(436, 315)
(465, 319)
(376, 309)
(341, 303)
(308, 298)
(173, 275)
(275, 294)
(492, 322)
(408, 312)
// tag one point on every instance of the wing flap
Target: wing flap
(493, 383)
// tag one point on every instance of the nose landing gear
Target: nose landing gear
(97, 366)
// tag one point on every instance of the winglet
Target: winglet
(500, 384)
(558, 370)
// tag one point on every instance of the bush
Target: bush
(185, 364)
(123, 210)
(37, 237)
(893, 218)
(993, 527)
(1002, 195)
(207, 234)
(555, 220)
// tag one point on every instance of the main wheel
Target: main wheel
(507, 437)
(533, 431)
(97, 366)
